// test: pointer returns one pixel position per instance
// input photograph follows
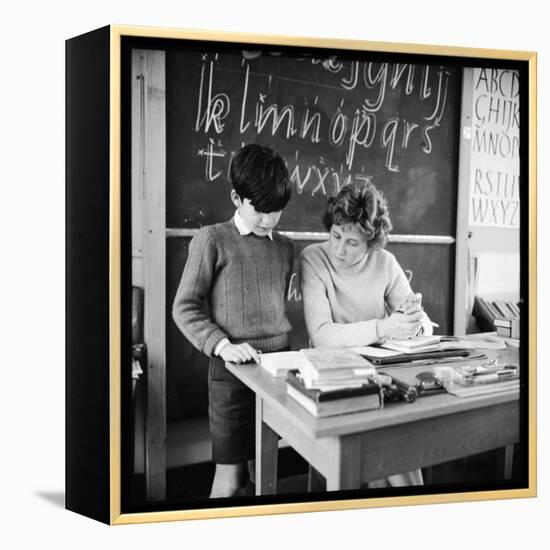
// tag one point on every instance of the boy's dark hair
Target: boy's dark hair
(364, 205)
(260, 175)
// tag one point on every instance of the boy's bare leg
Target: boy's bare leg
(227, 480)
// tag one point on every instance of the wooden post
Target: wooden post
(149, 181)
(462, 298)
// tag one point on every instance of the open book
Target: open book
(425, 344)
(412, 345)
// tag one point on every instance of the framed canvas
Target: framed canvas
(155, 120)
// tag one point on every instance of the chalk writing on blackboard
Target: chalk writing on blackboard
(357, 122)
(293, 293)
(335, 120)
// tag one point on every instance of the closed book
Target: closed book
(515, 328)
(504, 306)
(331, 385)
(280, 362)
(484, 316)
(331, 359)
(511, 311)
(487, 308)
(506, 332)
(403, 358)
(493, 310)
(499, 306)
(331, 403)
(341, 369)
(295, 379)
(334, 364)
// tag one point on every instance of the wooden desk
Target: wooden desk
(352, 449)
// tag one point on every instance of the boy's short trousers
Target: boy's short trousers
(231, 412)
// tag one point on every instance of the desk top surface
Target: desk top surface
(273, 392)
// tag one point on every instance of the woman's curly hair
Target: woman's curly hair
(361, 204)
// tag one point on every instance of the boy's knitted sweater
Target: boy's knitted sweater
(243, 280)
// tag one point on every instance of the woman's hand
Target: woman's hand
(400, 325)
(412, 304)
(239, 353)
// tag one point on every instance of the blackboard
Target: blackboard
(334, 120)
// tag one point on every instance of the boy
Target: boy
(241, 269)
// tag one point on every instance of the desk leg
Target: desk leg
(266, 454)
(506, 461)
(315, 481)
(345, 473)
(427, 475)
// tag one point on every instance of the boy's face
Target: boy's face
(260, 223)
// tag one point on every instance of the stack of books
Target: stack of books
(508, 327)
(334, 368)
(326, 381)
(320, 367)
(335, 401)
(487, 311)
(280, 362)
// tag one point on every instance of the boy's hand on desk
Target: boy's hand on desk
(239, 353)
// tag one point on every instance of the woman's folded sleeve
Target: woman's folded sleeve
(398, 288)
(322, 329)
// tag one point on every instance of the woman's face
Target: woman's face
(347, 245)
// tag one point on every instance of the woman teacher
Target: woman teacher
(354, 291)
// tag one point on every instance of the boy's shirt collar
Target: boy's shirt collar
(243, 229)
